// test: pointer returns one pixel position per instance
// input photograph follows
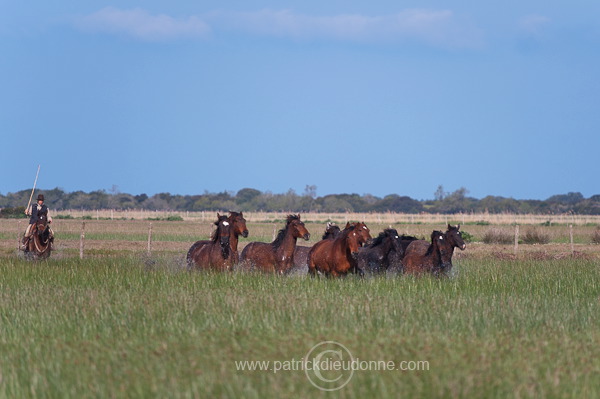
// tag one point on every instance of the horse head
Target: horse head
(297, 227)
(438, 241)
(331, 231)
(390, 239)
(221, 234)
(41, 224)
(442, 244)
(454, 237)
(363, 233)
(238, 224)
(358, 234)
(397, 242)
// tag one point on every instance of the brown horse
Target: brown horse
(336, 257)
(41, 241)
(236, 225)
(301, 252)
(435, 258)
(214, 253)
(277, 256)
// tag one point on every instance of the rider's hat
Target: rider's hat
(40, 197)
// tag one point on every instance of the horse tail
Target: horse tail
(311, 261)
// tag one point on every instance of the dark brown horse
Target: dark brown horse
(41, 241)
(214, 253)
(383, 251)
(301, 252)
(435, 258)
(420, 259)
(395, 257)
(277, 256)
(336, 257)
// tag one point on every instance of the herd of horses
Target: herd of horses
(340, 252)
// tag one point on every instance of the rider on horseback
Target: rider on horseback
(35, 212)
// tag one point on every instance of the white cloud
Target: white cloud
(434, 27)
(440, 28)
(141, 24)
(533, 25)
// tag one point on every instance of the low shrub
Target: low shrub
(172, 218)
(63, 217)
(498, 236)
(466, 236)
(17, 212)
(535, 236)
(596, 236)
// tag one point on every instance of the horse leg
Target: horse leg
(31, 244)
(312, 271)
(24, 243)
(27, 238)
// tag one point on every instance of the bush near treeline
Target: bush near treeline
(17, 212)
(249, 199)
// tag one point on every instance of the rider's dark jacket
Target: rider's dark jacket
(36, 214)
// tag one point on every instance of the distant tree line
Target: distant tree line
(249, 199)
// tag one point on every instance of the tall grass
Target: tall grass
(131, 327)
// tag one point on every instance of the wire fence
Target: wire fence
(149, 231)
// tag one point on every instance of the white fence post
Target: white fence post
(516, 239)
(81, 240)
(150, 239)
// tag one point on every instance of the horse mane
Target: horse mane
(214, 237)
(346, 232)
(453, 228)
(408, 238)
(281, 234)
(434, 237)
(350, 227)
(379, 239)
(335, 230)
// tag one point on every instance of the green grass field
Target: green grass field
(131, 326)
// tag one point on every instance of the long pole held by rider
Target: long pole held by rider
(27, 210)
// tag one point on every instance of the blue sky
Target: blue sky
(390, 97)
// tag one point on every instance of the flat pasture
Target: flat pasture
(106, 237)
(122, 322)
